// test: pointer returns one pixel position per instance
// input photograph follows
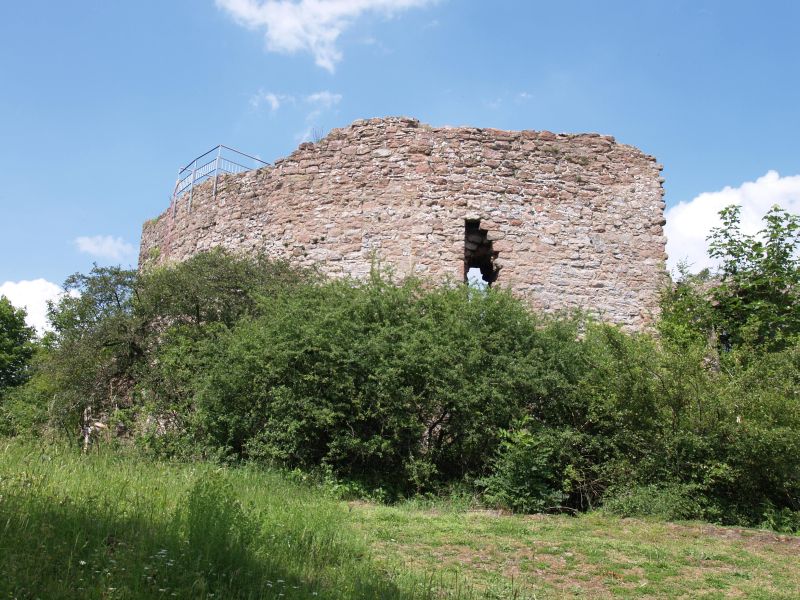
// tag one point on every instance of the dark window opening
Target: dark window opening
(478, 254)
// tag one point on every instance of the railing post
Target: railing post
(191, 190)
(174, 199)
(216, 171)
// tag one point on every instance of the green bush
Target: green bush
(16, 346)
(392, 384)
(671, 501)
(24, 410)
(387, 390)
(533, 470)
(783, 520)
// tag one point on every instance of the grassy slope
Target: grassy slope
(593, 556)
(116, 526)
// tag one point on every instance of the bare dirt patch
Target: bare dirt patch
(751, 537)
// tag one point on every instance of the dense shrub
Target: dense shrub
(26, 408)
(756, 300)
(534, 469)
(397, 384)
(16, 346)
(671, 501)
(401, 388)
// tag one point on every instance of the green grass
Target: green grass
(592, 556)
(115, 525)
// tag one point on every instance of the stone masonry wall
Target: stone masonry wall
(567, 221)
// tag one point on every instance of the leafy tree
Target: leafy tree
(212, 287)
(96, 343)
(121, 336)
(687, 313)
(752, 302)
(757, 301)
(16, 345)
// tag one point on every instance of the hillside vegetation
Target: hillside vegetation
(392, 390)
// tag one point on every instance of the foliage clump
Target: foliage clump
(16, 345)
(401, 389)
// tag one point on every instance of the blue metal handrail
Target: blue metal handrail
(219, 160)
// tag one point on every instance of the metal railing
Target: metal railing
(219, 160)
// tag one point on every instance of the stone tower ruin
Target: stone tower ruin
(567, 221)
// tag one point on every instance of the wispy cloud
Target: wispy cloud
(271, 99)
(32, 295)
(494, 103)
(689, 223)
(323, 99)
(313, 26)
(505, 98)
(320, 102)
(105, 247)
(314, 105)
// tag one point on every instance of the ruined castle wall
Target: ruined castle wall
(576, 220)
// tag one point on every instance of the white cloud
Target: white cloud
(318, 100)
(495, 103)
(305, 135)
(475, 279)
(275, 101)
(321, 102)
(689, 223)
(313, 26)
(505, 98)
(32, 296)
(105, 247)
(316, 103)
(324, 99)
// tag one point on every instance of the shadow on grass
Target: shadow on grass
(54, 548)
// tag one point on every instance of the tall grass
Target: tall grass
(116, 525)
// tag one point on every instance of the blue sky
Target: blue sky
(103, 101)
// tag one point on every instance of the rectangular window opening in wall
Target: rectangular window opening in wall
(479, 256)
